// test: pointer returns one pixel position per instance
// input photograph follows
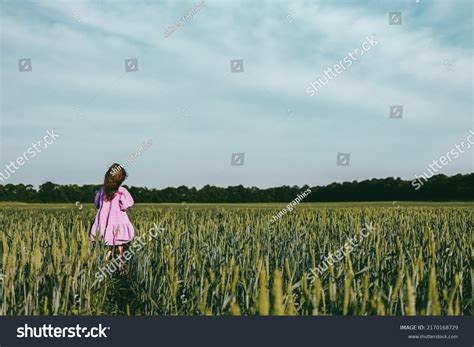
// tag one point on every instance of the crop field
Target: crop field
(230, 260)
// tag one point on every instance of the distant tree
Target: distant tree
(438, 188)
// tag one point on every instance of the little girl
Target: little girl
(111, 220)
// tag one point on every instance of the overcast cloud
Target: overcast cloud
(197, 113)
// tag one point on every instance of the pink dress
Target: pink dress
(111, 220)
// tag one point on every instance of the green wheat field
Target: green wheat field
(230, 260)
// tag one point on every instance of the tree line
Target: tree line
(437, 188)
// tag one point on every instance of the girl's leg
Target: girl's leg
(120, 251)
(123, 270)
(109, 254)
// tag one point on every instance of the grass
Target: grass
(227, 259)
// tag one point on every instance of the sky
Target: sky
(183, 96)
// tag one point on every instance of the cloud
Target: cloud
(78, 51)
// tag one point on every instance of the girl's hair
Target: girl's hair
(114, 177)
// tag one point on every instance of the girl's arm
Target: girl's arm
(98, 199)
(126, 200)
